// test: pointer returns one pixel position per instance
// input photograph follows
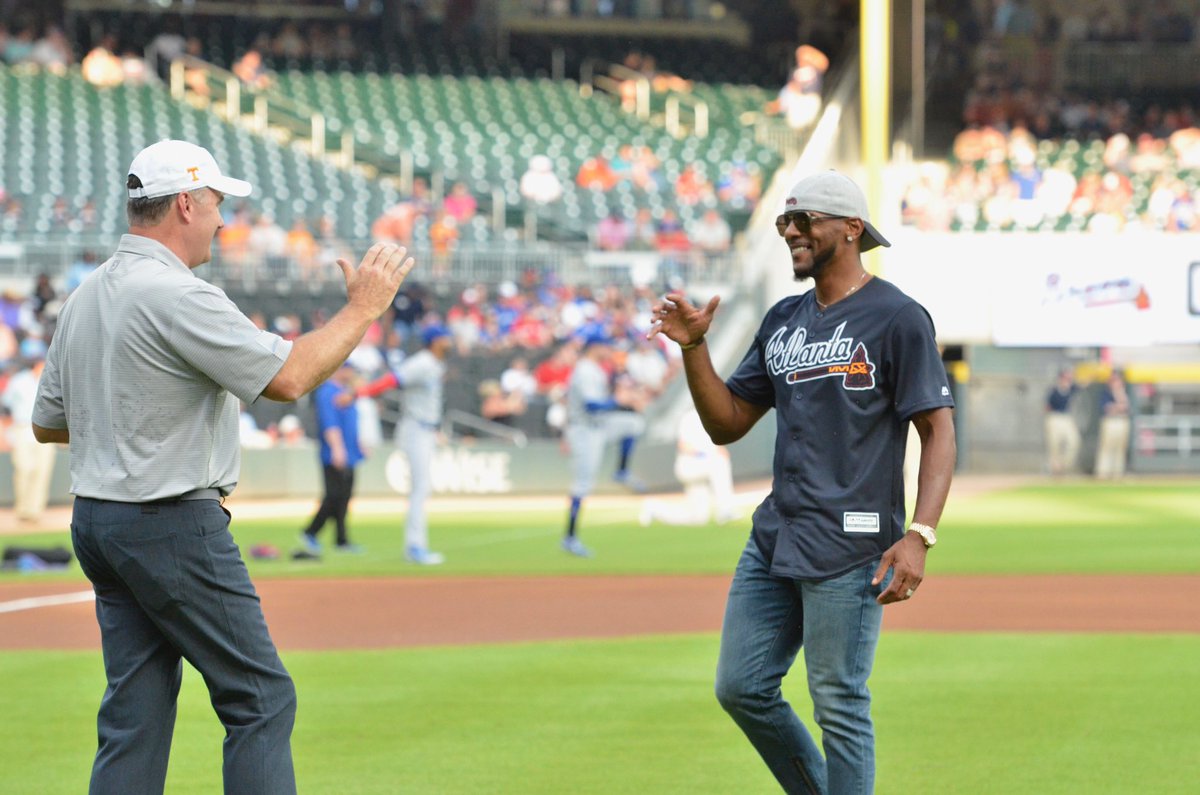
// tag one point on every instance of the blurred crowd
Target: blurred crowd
(515, 344)
(514, 348)
(1002, 181)
(1032, 156)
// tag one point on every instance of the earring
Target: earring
(849, 238)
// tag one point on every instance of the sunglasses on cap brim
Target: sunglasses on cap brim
(803, 220)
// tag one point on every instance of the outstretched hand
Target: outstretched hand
(373, 284)
(679, 320)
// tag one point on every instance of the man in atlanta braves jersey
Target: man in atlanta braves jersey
(846, 366)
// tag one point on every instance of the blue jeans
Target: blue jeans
(837, 621)
(171, 584)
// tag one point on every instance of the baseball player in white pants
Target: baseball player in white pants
(421, 376)
(707, 477)
(594, 418)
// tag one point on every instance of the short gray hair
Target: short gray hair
(149, 212)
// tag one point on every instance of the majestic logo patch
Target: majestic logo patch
(797, 359)
(860, 522)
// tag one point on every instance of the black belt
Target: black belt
(194, 494)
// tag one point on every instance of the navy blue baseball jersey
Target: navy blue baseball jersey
(844, 383)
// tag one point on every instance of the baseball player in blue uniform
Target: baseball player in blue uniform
(846, 366)
(594, 418)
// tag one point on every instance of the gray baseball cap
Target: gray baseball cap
(834, 193)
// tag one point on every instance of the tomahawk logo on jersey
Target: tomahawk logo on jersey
(797, 359)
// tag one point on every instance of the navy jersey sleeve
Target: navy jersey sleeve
(750, 381)
(920, 377)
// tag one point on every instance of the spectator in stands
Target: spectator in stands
(554, 373)
(799, 101)
(266, 247)
(532, 328)
(539, 184)
(1185, 144)
(711, 235)
(301, 248)
(343, 45)
(330, 246)
(498, 405)
(692, 187)
(101, 67)
(443, 239)
(644, 170)
(288, 43)
(81, 269)
(397, 222)
(612, 232)
(18, 46)
(32, 463)
(87, 218)
(1183, 216)
(408, 308)
(60, 213)
(621, 164)
(673, 246)
(465, 320)
(595, 173)
(740, 186)
(234, 239)
(643, 233)
(43, 298)
(647, 366)
(517, 378)
(52, 51)
(661, 80)
(251, 70)
(459, 204)
(168, 45)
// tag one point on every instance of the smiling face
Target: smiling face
(814, 240)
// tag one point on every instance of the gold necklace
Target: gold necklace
(856, 285)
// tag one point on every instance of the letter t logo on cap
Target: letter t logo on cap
(194, 171)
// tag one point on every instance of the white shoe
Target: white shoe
(574, 546)
(423, 557)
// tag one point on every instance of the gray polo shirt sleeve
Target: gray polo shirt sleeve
(212, 334)
(48, 408)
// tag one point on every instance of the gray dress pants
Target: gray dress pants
(171, 585)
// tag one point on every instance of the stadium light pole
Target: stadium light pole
(875, 61)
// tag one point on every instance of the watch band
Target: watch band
(927, 533)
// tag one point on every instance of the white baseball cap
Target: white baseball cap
(834, 193)
(169, 167)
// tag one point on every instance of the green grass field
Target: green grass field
(956, 713)
(1131, 527)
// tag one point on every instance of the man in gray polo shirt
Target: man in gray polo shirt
(143, 379)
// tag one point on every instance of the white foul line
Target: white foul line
(34, 602)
